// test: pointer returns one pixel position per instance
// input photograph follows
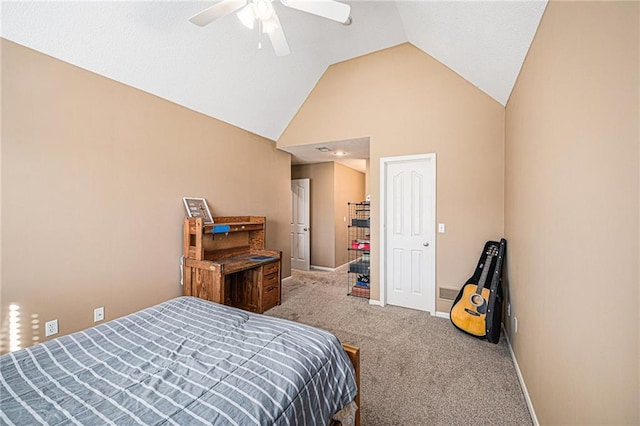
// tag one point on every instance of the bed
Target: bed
(186, 361)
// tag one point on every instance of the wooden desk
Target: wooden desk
(223, 267)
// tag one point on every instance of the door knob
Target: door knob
(306, 229)
(425, 244)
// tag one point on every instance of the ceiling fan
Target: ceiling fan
(262, 12)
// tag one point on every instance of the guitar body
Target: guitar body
(477, 310)
(466, 315)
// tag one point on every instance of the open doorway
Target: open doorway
(331, 187)
(334, 180)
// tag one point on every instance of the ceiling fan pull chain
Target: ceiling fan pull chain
(259, 33)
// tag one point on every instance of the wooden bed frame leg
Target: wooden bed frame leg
(354, 355)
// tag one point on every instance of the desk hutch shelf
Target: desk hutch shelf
(226, 262)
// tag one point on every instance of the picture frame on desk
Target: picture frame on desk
(197, 207)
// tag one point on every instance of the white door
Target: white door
(408, 234)
(300, 241)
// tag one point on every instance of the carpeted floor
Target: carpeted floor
(416, 369)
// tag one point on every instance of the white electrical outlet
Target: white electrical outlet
(515, 324)
(441, 228)
(51, 328)
(508, 309)
(98, 314)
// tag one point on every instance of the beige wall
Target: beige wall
(409, 103)
(321, 211)
(93, 175)
(572, 159)
(349, 186)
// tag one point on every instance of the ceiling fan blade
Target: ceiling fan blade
(217, 11)
(329, 9)
(278, 40)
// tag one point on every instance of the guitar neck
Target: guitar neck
(485, 272)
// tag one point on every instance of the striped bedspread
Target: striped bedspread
(183, 362)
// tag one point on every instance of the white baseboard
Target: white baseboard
(326, 268)
(443, 315)
(287, 279)
(525, 392)
(375, 302)
(322, 268)
(343, 267)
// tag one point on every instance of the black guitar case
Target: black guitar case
(493, 320)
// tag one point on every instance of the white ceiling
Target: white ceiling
(218, 70)
(350, 152)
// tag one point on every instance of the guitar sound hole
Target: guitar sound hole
(477, 300)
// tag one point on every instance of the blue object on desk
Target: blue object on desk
(258, 258)
(220, 229)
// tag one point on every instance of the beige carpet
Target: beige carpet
(416, 369)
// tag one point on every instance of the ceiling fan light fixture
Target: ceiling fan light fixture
(250, 11)
(263, 9)
(247, 15)
(270, 25)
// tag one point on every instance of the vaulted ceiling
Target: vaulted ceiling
(219, 70)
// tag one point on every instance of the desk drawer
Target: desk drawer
(270, 268)
(270, 296)
(269, 280)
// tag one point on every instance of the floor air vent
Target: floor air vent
(448, 293)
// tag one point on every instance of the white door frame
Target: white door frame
(384, 161)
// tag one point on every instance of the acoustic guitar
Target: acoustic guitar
(470, 312)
